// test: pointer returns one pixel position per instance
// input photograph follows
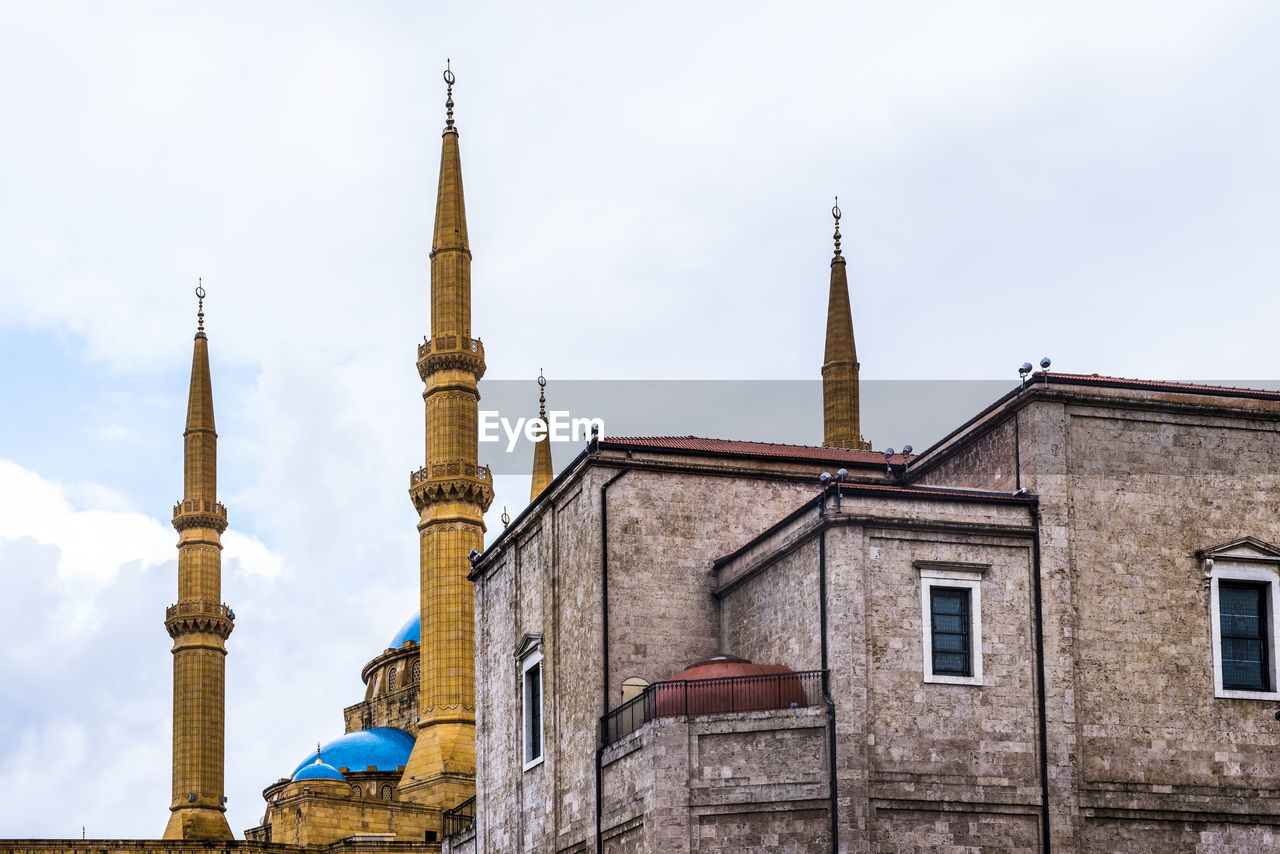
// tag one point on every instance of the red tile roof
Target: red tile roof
(771, 450)
(1157, 385)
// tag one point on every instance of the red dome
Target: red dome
(717, 685)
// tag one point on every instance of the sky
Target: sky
(648, 197)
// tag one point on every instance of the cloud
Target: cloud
(644, 201)
(84, 649)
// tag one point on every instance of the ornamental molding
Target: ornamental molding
(456, 360)
(529, 644)
(432, 528)
(477, 492)
(199, 624)
(198, 513)
(449, 707)
(200, 520)
(1242, 549)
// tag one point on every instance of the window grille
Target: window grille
(1243, 612)
(949, 611)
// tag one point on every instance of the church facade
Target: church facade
(1054, 630)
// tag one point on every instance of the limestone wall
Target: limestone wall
(749, 781)
(667, 523)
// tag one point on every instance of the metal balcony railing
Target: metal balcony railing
(460, 818)
(713, 696)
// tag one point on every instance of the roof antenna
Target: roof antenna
(448, 104)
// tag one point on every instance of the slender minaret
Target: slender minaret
(840, 364)
(543, 473)
(451, 493)
(199, 623)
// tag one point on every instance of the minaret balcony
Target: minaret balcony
(451, 480)
(196, 616)
(451, 352)
(198, 513)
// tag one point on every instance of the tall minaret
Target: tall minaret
(199, 623)
(543, 473)
(840, 364)
(451, 493)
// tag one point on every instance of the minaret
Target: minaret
(543, 473)
(451, 493)
(840, 364)
(199, 623)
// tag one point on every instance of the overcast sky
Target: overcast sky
(648, 197)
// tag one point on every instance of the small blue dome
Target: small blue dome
(318, 771)
(410, 631)
(386, 748)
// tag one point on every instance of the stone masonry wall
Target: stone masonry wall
(718, 783)
(1131, 485)
(666, 525)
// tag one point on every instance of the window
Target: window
(1242, 626)
(951, 615)
(385, 793)
(417, 671)
(356, 792)
(1243, 585)
(632, 687)
(532, 685)
(391, 680)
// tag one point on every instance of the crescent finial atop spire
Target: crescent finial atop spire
(835, 212)
(449, 78)
(542, 396)
(200, 311)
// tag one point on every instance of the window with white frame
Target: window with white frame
(951, 615)
(1244, 589)
(531, 691)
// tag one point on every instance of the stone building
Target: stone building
(1057, 625)
(1054, 630)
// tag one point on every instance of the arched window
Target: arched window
(356, 792)
(417, 671)
(633, 687)
(391, 680)
(385, 794)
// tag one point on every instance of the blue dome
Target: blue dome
(386, 748)
(410, 631)
(318, 771)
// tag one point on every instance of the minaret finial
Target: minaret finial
(506, 517)
(448, 104)
(542, 396)
(200, 297)
(317, 752)
(835, 212)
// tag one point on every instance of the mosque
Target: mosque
(1053, 630)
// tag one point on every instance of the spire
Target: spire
(450, 252)
(543, 472)
(199, 622)
(840, 362)
(451, 492)
(200, 473)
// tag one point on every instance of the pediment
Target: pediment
(529, 644)
(1242, 548)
